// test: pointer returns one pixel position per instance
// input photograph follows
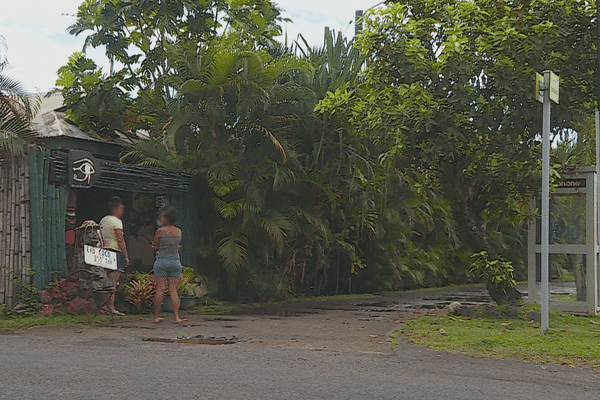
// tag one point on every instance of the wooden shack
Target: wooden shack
(68, 178)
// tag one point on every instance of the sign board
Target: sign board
(572, 183)
(161, 201)
(83, 169)
(548, 81)
(100, 257)
(539, 85)
(554, 87)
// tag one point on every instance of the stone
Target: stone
(467, 312)
(454, 308)
(513, 312)
(534, 316)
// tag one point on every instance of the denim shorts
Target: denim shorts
(167, 266)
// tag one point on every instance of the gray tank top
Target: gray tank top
(168, 244)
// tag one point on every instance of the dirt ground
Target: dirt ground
(349, 326)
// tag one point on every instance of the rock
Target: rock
(504, 295)
(467, 311)
(454, 308)
(534, 316)
(513, 312)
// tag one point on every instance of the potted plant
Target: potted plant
(192, 287)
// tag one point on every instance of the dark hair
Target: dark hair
(114, 203)
(170, 214)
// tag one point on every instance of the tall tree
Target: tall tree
(449, 88)
(140, 38)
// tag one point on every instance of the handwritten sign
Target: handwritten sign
(100, 257)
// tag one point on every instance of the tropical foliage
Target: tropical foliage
(17, 107)
(379, 163)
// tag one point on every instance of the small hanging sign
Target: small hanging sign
(100, 257)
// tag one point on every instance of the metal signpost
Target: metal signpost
(547, 86)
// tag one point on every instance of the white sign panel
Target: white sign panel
(100, 257)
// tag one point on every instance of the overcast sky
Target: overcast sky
(35, 32)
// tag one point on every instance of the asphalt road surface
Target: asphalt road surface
(334, 352)
(53, 368)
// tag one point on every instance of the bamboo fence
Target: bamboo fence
(15, 232)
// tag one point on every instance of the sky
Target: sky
(35, 32)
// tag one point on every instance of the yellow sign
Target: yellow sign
(550, 82)
(554, 87)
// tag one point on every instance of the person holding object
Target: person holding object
(111, 227)
(167, 267)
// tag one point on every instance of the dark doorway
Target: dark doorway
(92, 204)
(139, 221)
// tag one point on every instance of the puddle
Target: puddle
(470, 298)
(210, 341)
(222, 319)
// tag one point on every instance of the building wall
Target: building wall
(48, 213)
(15, 243)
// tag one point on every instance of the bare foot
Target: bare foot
(158, 320)
(180, 321)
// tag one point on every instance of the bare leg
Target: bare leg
(173, 284)
(161, 285)
(113, 276)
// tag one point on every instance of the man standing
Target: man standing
(111, 227)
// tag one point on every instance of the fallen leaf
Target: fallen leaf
(443, 331)
(507, 323)
(373, 336)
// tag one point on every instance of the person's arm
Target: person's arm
(156, 241)
(122, 244)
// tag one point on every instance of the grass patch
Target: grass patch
(215, 309)
(566, 297)
(21, 323)
(571, 340)
(359, 296)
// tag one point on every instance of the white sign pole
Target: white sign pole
(544, 291)
(598, 167)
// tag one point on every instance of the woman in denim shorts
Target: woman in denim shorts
(167, 267)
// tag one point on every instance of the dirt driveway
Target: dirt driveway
(349, 326)
(346, 325)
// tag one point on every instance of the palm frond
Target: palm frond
(233, 250)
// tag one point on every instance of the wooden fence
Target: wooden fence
(15, 233)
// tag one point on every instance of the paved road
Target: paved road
(60, 367)
(333, 350)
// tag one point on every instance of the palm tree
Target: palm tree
(17, 107)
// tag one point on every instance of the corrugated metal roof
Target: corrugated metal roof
(53, 124)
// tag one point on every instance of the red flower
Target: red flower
(46, 296)
(46, 309)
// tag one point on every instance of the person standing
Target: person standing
(111, 227)
(167, 267)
